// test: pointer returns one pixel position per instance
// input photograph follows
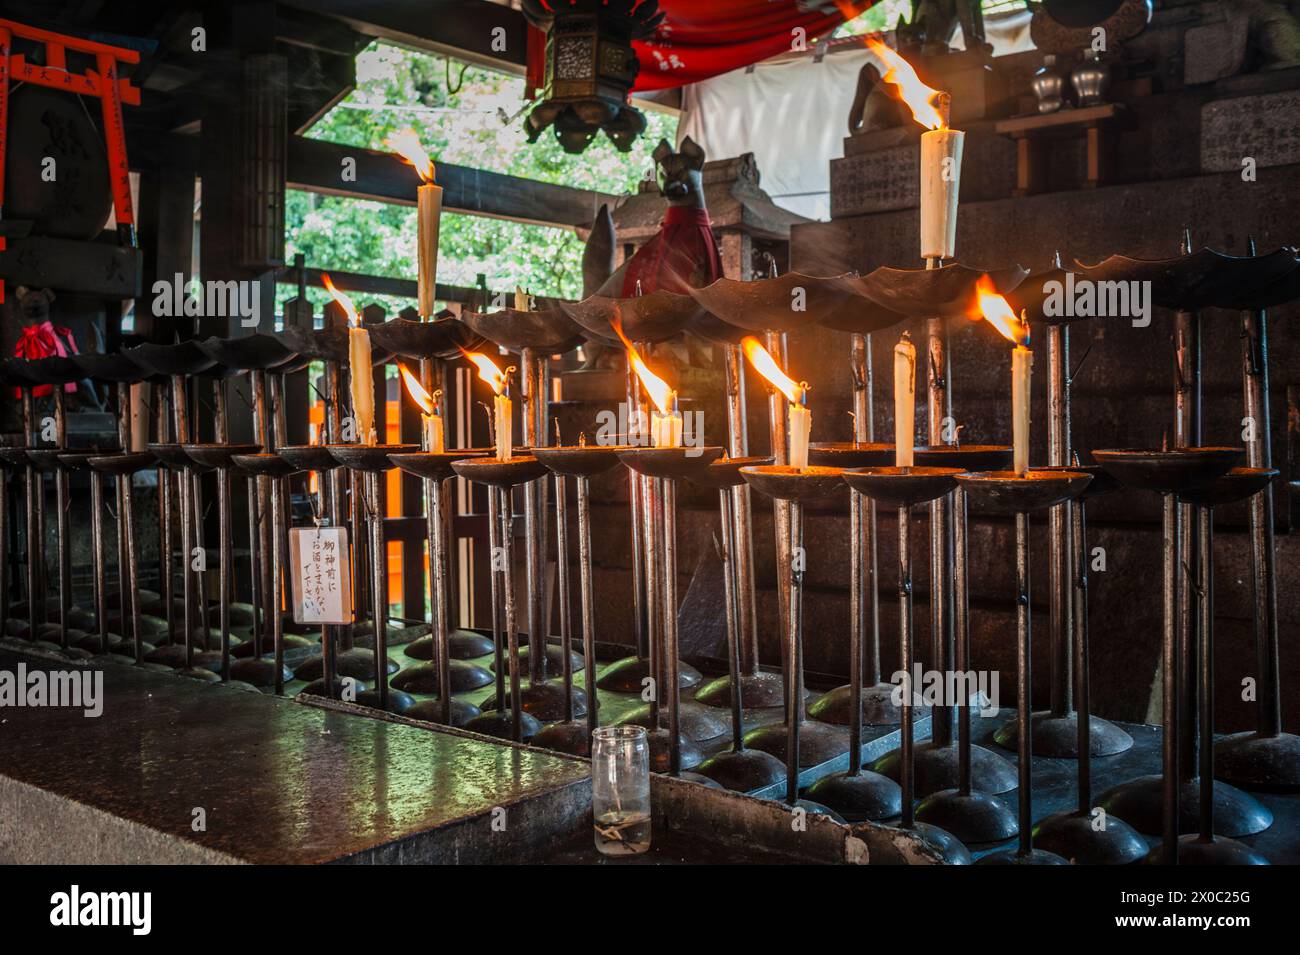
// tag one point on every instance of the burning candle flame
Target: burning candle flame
(658, 389)
(997, 311)
(487, 370)
(922, 100)
(766, 366)
(407, 145)
(417, 392)
(354, 319)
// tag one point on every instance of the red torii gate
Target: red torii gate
(102, 82)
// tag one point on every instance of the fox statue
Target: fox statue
(681, 255)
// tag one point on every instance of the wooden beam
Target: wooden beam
(318, 166)
(485, 33)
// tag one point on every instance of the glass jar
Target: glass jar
(620, 789)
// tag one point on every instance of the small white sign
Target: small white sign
(322, 575)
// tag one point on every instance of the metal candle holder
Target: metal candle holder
(1267, 757)
(1168, 473)
(16, 369)
(441, 675)
(738, 768)
(1020, 495)
(1055, 730)
(371, 461)
(903, 489)
(1072, 834)
(500, 476)
(665, 466)
(582, 463)
(1203, 848)
(797, 486)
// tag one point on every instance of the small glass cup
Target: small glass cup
(620, 789)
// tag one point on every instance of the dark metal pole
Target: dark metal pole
(1024, 686)
(906, 744)
(730, 545)
(562, 567)
(961, 622)
(494, 548)
(741, 507)
(1169, 662)
(1060, 586)
(588, 601)
(97, 558)
(1205, 640)
(508, 590)
(61, 504)
(857, 504)
(29, 476)
(1187, 434)
(794, 680)
(438, 576)
(276, 592)
(378, 584)
(226, 557)
(668, 498)
(942, 558)
(1082, 692)
(635, 502)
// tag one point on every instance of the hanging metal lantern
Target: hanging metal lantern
(590, 69)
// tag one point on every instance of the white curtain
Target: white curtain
(793, 115)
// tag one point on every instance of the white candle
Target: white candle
(429, 215)
(433, 437)
(800, 428)
(666, 429)
(1022, 365)
(941, 152)
(362, 384)
(501, 414)
(904, 401)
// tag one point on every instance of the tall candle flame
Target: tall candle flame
(354, 319)
(922, 100)
(766, 366)
(417, 391)
(997, 311)
(487, 370)
(407, 145)
(659, 390)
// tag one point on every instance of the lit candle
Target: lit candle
(798, 417)
(1022, 367)
(361, 382)
(665, 417)
(941, 152)
(502, 409)
(431, 419)
(428, 208)
(904, 401)
(998, 312)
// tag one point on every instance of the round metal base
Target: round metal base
(544, 701)
(292, 641)
(424, 677)
(626, 675)
(172, 655)
(462, 645)
(573, 738)
(201, 674)
(694, 721)
(863, 797)
(1057, 735)
(1013, 857)
(659, 743)
(398, 702)
(701, 780)
(816, 809)
(317, 687)
(1251, 761)
(208, 660)
(948, 846)
(430, 711)
(358, 663)
(554, 660)
(878, 707)
(743, 771)
(1193, 850)
(757, 691)
(936, 769)
(818, 742)
(500, 724)
(1140, 803)
(1071, 835)
(259, 672)
(974, 817)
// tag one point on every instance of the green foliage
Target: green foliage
(480, 125)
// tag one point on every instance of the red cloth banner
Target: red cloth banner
(703, 38)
